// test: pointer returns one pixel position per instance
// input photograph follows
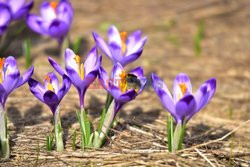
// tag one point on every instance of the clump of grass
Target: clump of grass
(198, 38)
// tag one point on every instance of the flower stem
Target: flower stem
(170, 132)
(99, 138)
(5, 148)
(63, 45)
(58, 131)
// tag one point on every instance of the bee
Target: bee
(132, 82)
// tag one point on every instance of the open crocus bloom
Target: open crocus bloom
(183, 104)
(18, 8)
(5, 17)
(10, 77)
(121, 48)
(55, 19)
(50, 93)
(123, 86)
(81, 75)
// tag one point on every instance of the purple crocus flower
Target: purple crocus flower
(120, 48)
(81, 75)
(183, 104)
(5, 17)
(10, 78)
(50, 93)
(122, 86)
(18, 8)
(55, 20)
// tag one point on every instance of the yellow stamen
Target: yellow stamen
(183, 88)
(54, 4)
(80, 66)
(1, 69)
(49, 86)
(123, 82)
(123, 36)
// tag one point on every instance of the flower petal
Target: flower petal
(75, 78)
(65, 87)
(70, 60)
(102, 45)
(103, 78)
(181, 79)
(3, 95)
(26, 76)
(91, 60)
(58, 29)
(205, 93)
(116, 52)
(65, 11)
(127, 96)
(48, 13)
(20, 9)
(184, 107)
(164, 94)
(116, 72)
(56, 66)
(36, 23)
(51, 99)
(137, 72)
(130, 58)
(114, 36)
(53, 80)
(5, 15)
(37, 89)
(138, 47)
(132, 39)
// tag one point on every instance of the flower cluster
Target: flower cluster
(121, 85)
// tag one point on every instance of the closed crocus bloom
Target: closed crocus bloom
(182, 104)
(55, 20)
(121, 47)
(5, 17)
(51, 94)
(10, 79)
(19, 8)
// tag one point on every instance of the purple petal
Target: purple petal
(65, 11)
(3, 95)
(53, 80)
(116, 52)
(127, 96)
(5, 15)
(185, 107)
(133, 38)
(65, 87)
(26, 76)
(51, 99)
(56, 66)
(117, 107)
(205, 93)
(102, 45)
(181, 79)
(91, 60)
(103, 78)
(11, 74)
(48, 13)
(143, 82)
(74, 77)
(138, 72)
(117, 70)
(58, 29)
(22, 11)
(36, 23)
(37, 89)
(138, 47)
(114, 36)
(70, 60)
(131, 58)
(163, 93)
(16, 5)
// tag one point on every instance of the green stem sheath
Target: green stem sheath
(5, 148)
(58, 131)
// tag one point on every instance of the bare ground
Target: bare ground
(218, 136)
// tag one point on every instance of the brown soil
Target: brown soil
(139, 139)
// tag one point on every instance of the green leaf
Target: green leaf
(101, 120)
(170, 131)
(182, 135)
(49, 142)
(26, 50)
(77, 45)
(198, 38)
